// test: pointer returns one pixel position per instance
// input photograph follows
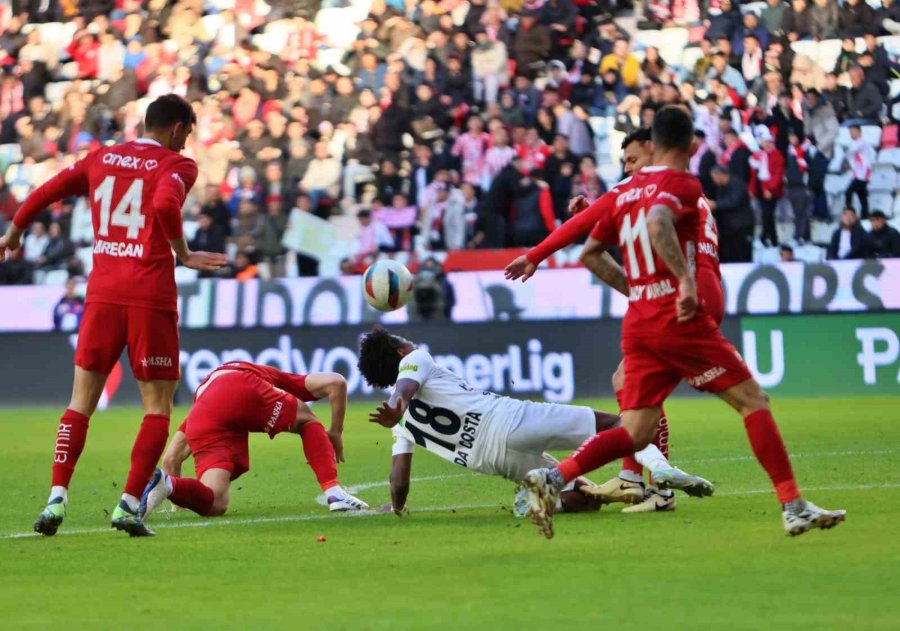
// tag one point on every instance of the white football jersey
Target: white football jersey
(447, 417)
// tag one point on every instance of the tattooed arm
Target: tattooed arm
(664, 239)
(595, 257)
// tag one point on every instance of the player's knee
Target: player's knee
(219, 506)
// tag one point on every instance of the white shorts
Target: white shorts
(545, 427)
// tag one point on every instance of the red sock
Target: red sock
(70, 437)
(598, 450)
(319, 454)
(662, 435)
(772, 454)
(192, 494)
(147, 450)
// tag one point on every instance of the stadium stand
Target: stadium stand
(456, 124)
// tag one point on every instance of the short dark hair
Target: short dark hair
(168, 110)
(642, 135)
(673, 128)
(379, 361)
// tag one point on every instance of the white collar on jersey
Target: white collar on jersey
(148, 141)
(654, 168)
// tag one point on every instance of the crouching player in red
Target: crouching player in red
(668, 336)
(238, 398)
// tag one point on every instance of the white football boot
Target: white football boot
(802, 515)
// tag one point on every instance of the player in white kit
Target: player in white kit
(437, 410)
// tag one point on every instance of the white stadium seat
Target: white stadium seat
(843, 138)
(806, 47)
(881, 201)
(891, 44)
(837, 161)
(895, 211)
(828, 52)
(837, 184)
(820, 231)
(691, 55)
(894, 86)
(809, 253)
(185, 274)
(889, 156)
(884, 178)
(872, 135)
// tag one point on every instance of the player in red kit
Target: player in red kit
(628, 486)
(136, 191)
(667, 335)
(234, 400)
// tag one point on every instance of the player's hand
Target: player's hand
(387, 415)
(686, 305)
(520, 268)
(206, 261)
(337, 441)
(10, 241)
(577, 204)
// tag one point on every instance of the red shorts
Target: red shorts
(229, 405)
(696, 352)
(709, 290)
(151, 336)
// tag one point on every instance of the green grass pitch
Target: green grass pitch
(460, 560)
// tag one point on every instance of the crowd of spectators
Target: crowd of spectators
(444, 124)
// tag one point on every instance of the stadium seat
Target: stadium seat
(828, 52)
(837, 184)
(86, 256)
(55, 277)
(891, 44)
(185, 274)
(806, 47)
(836, 165)
(690, 56)
(57, 90)
(809, 253)
(843, 138)
(894, 87)
(766, 255)
(889, 156)
(884, 178)
(895, 210)
(881, 201)
(872, 135)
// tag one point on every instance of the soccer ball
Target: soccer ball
(387, 285)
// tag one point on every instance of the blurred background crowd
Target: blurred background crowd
(331, 132)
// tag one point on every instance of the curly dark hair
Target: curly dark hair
(379, 361)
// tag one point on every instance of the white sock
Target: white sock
(652, 458)
(336, 491)
(133, 503)
(630, 476)
(59, 491)
(168, 481)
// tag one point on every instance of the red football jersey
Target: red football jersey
(653, 288)
(708, 239)
(289, 382)
(136, 191)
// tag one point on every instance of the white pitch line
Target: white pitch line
(424, 509)
(812, 454)
(322, 501)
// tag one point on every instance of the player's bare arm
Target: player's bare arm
(201, 261)
(595, 257)
(176, 453)
(389, 413)
(521, 267)
(333, 386)
(401, 468)
(664, 239)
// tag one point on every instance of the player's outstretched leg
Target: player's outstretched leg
(320, 455)
(798, 515)
(71, 434)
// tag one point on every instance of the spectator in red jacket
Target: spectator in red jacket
(84, 51)
(767, 181)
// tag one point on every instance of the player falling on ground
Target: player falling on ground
(482, 431)
(667, 335)
(637, 153)
(234, 400)
(136, 191)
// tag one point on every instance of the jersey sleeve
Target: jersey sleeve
(680, 193)
(171, 191)
(572, 229)
(71, 182)
(416, 366)
(403, 441)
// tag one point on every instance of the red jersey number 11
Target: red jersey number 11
(127, 213)
(628, 234)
